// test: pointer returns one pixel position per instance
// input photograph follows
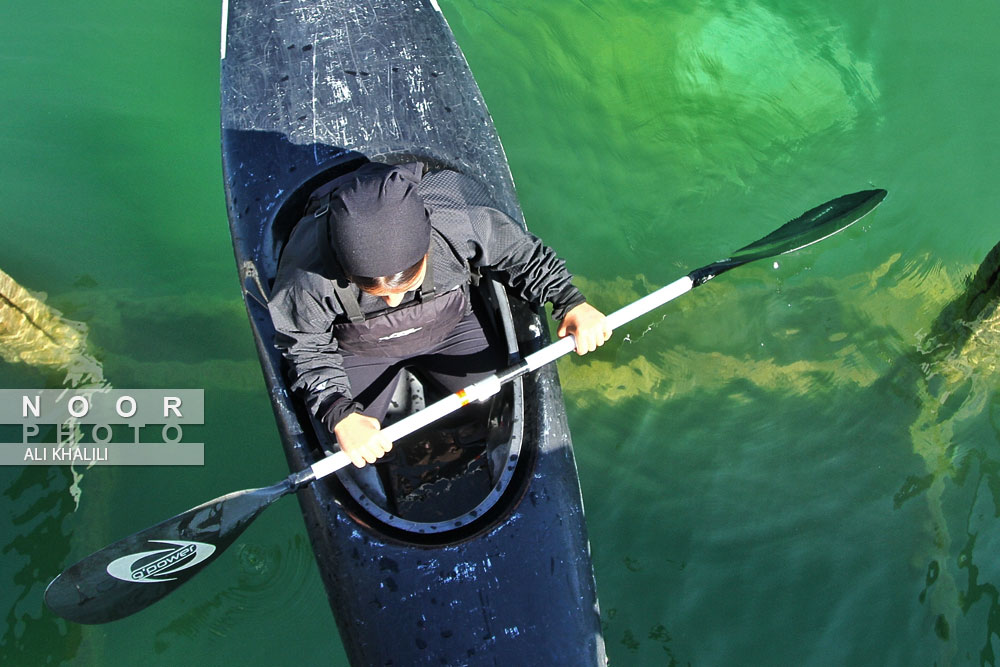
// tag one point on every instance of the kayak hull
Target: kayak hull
(308, 89)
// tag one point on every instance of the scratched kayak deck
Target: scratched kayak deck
(308, 89)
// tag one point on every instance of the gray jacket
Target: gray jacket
(467, 234)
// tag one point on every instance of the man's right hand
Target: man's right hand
(361, 438)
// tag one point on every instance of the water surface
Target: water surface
(792, 465)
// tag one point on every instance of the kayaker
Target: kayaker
(376, 277)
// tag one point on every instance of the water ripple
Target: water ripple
(271, 578)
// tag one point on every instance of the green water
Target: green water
(777, 469)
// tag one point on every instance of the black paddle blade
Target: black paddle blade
(814, 225)
(135, 572)
(811, 227)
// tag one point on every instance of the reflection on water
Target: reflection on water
(771, 81)
(726, 88)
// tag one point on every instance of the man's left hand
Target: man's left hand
(588, 326)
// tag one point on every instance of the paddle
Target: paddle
(135, 572)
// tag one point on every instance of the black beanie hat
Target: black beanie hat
(378, 224)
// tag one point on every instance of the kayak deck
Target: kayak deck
(384, 79)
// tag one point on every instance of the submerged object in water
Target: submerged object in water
(33, 333)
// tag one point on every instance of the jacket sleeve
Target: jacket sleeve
(529, 267)
(525, 264)
(303, 334)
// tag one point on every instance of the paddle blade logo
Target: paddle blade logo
(148, 567)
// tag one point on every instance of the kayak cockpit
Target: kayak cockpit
(450, 475)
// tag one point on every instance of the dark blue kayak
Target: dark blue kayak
(468, 546)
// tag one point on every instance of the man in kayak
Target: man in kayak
(376, 277)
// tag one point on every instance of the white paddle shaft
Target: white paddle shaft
(475, 392)
(616, 319)
(491, 385)
(650, 302)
